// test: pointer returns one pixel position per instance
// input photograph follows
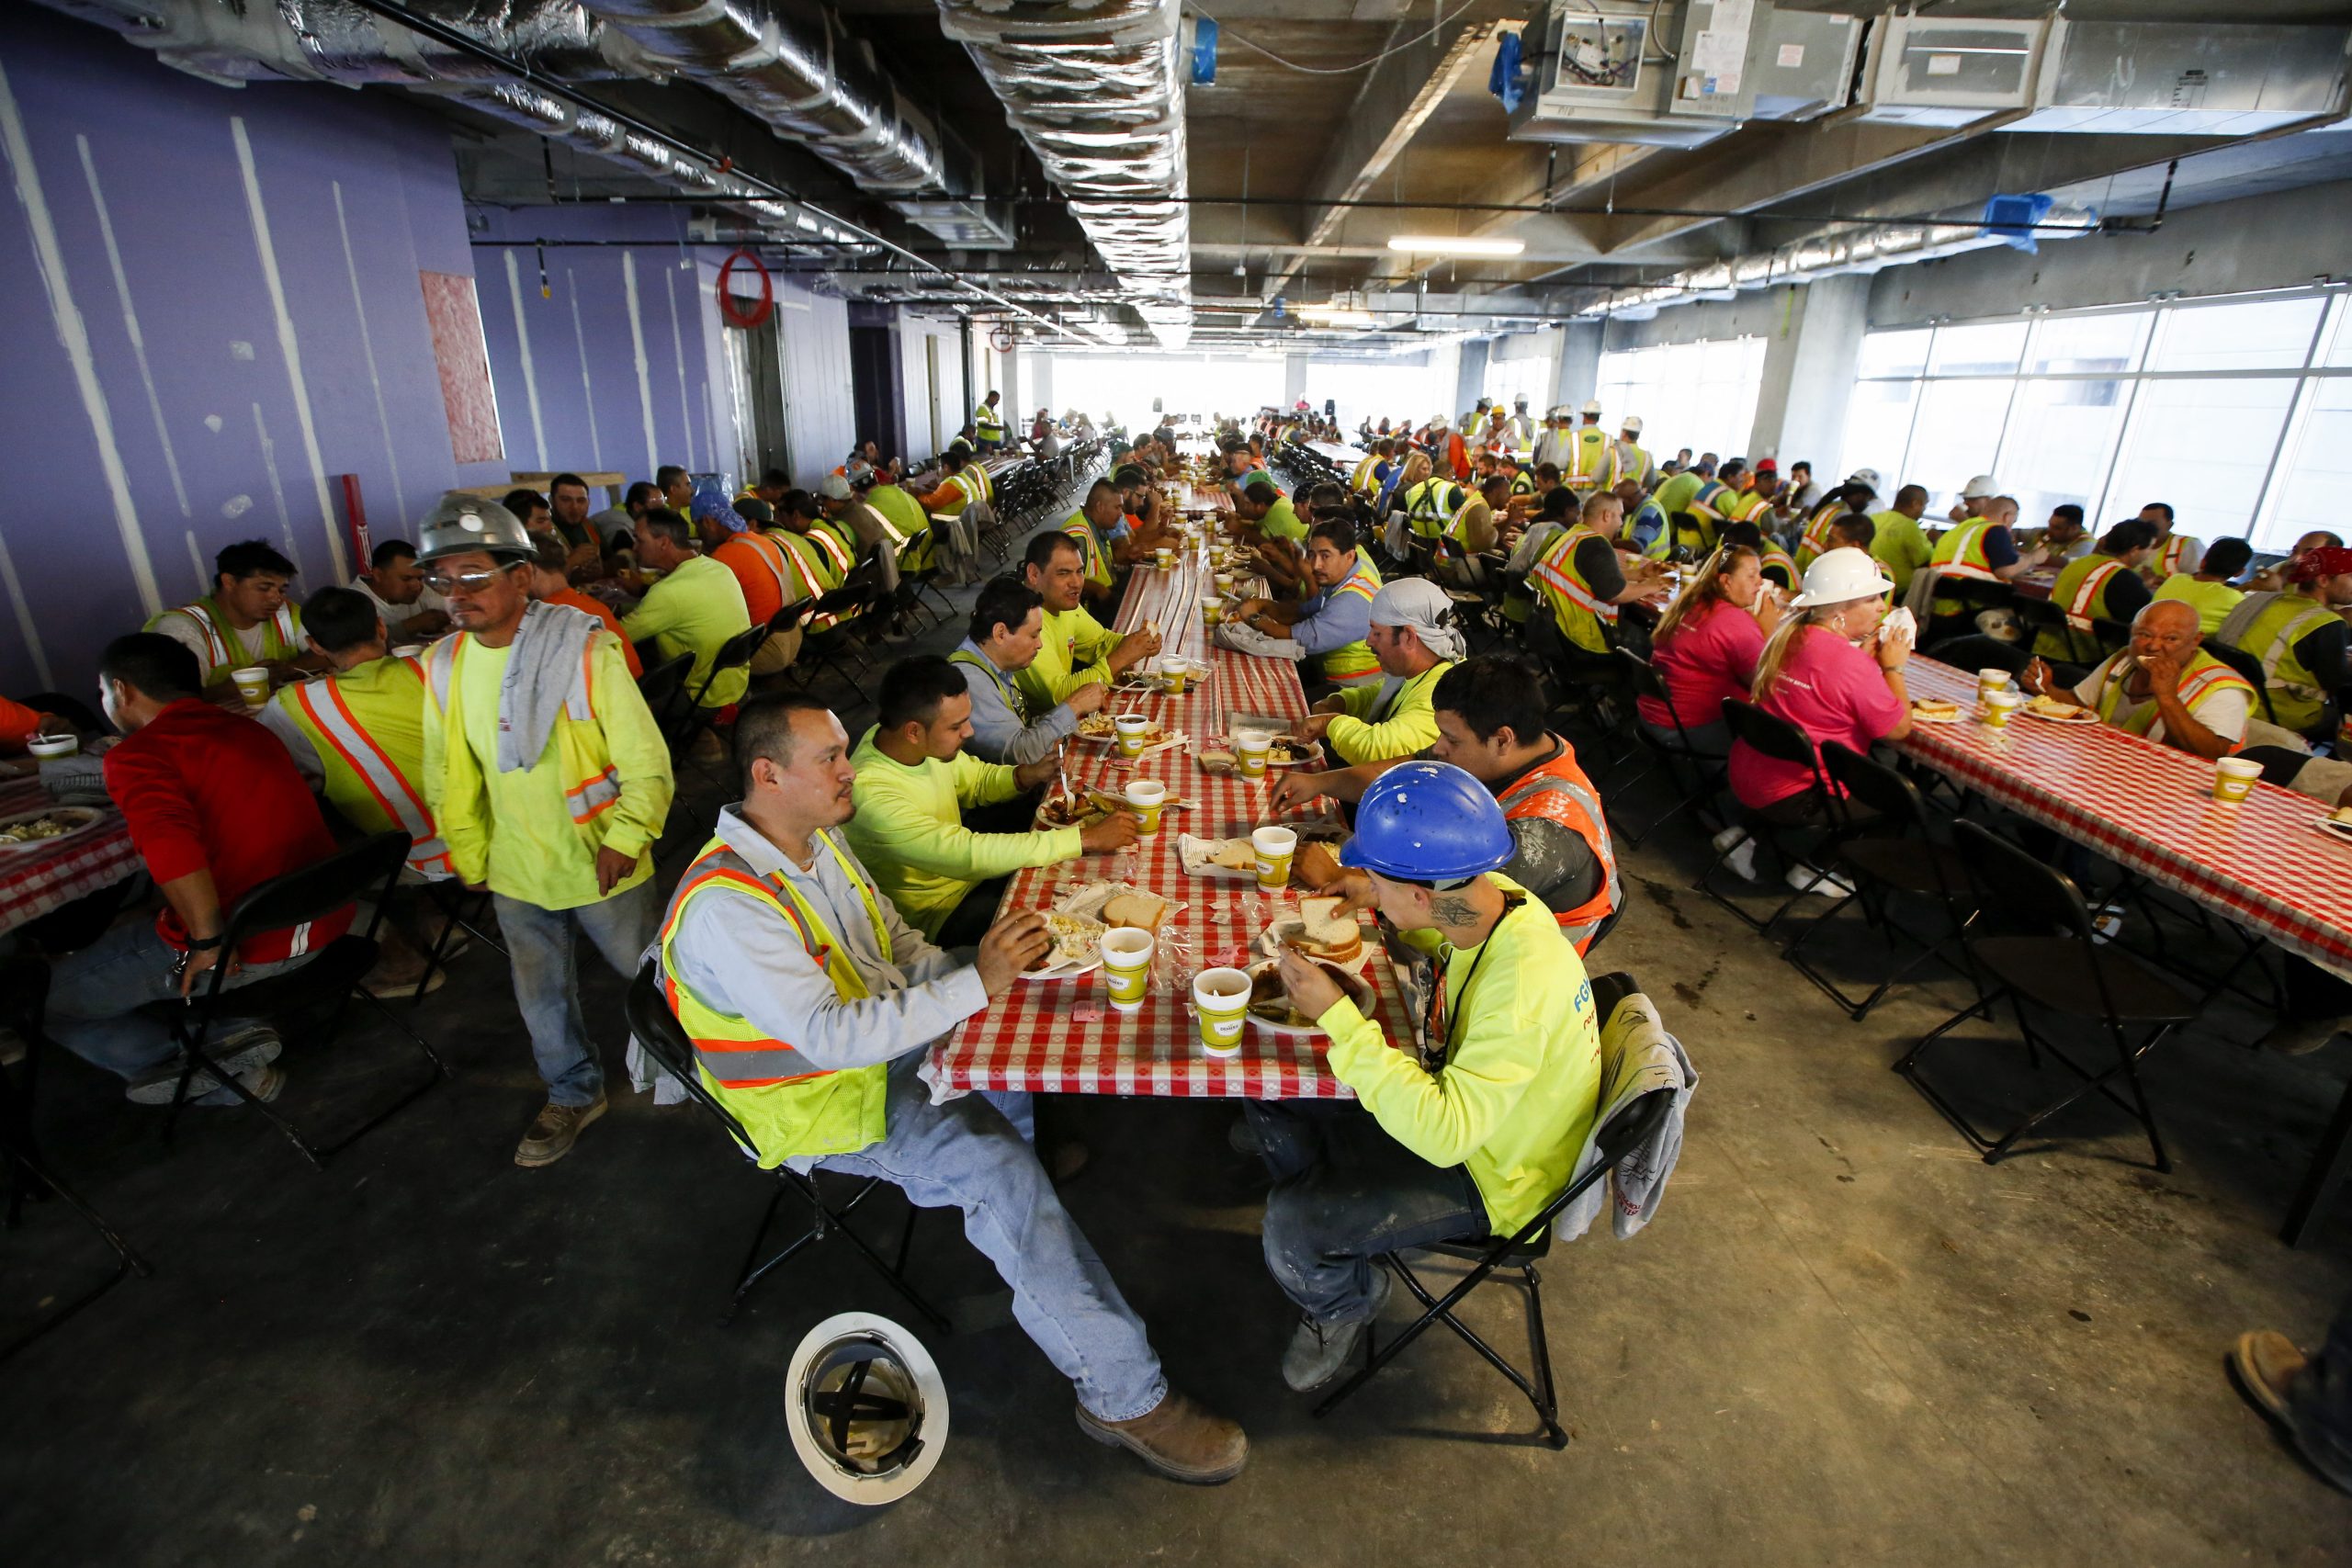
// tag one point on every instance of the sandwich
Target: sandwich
(1934, 708)
(1323, 933)
(1269, 1001)
(1316, 866)
(1074, 938)
(2051, 707)
(1145, 911)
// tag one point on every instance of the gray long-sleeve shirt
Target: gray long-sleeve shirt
(747, 959)
(1000, 731)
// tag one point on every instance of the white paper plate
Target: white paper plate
(80, 820)
(1361, 988)
(1066, 971)
(2090, 716)
(2341, 832)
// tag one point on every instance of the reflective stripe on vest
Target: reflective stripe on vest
(587, 799)
(223, 649)
(2087, 592)
(1961, 553)
(822, 537)
(728, 1046)
(331, 718)
(1353, 663)
(1089, 547)
(1559, 792)
(771, 555)
(1588, 449)
(2169, 559)
(1557, 569)
(1011, 694)
(1774, 556)
(1428, 510)
(2204, 676)
(2296, 628)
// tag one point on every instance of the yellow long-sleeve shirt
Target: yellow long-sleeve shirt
(533, 834)
(1516, 1098)
(1368, 731)
(694, 609)
(1073, 653)
(910, 832)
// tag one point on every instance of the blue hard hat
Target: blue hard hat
(1428, 822)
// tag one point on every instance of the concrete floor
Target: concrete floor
(1845, 1340)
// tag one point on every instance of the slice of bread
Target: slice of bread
(1234, 854)
(1325, 927)
(1315, 865)
(1145, 911)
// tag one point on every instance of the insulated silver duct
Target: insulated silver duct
(1093, 87)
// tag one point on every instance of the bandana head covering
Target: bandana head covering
(1417, 603)
(2329, 560)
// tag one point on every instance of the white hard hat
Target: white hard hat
(1984, 487)
(1593, 407)
(1632, 425)
(1520, 401)
(867, 1407)
(835, 487)
(1864, 477)
(1840, 575)
(1443, 422)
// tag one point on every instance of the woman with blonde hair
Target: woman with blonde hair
(1706, 647)
(1828, 671)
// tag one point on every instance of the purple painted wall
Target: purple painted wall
(85, 116)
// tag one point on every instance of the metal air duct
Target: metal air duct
(1095, 90)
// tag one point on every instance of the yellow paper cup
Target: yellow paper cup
(1249, 755)
(1172, 672)
(252, 684)
(1126, 965)
(1999, 705)
(1146, 798)
(1164, 559)
(1212, 611)
(1273, 848)
(2233, 778)
(1132, 729)
(1989, 681)
(1221, 1003)
(1223, 581)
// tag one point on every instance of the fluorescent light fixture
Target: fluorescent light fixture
(1335, 316)
(1455, 245)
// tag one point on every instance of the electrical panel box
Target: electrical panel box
(1801, 64)
(1665, 75)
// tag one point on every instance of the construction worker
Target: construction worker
(1412, 635)
(2163, 686)
(696, 606)
(769, 579)
(1645, 520)
(1007, 628)
(1779, 568)
(1703, 498)
(2103, 586)
(1980, 489)
(2299, 636)
(2211, 587)
(2059, 540)
(1490, 722)
(1449, 453)
(1580, 579)
(1627, 459)
(1326, 627)
(988, 425)
(1897, 542)
(246, 619)
(1855, 495)
(1585, 462)
(2173, 552)
(1470, 1148)
(1074, 648)
(1981, 549)
(550, 783)
(1262, 512)
(914, 783)
(1552, 441)
(1090, 528)
(1523, 428)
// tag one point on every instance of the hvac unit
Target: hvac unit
(1954, 70)
(1661, 75)
(1800, 65)
(2190, 79)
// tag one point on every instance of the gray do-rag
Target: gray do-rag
(1417, 603)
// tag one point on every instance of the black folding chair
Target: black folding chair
(736, 653)
(661, 686)
(1894, 850)
(2048, 955)
(1705, 774)
(657, 1029)
(2331, 1163)
(2247, 665)
(1784, 742)
(325, 983)
(24, 1000)
(1512, 1259)
(832, 646)
(2038, 616)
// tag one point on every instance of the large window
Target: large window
(1700, 395)
(1375, 390)
(1124, 385)
(2235, 411)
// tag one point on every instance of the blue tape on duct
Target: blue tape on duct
(1507, 81)
(2010, 219)
(1204, 51)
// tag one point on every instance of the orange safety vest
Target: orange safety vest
(1559, 792)
(326, 713)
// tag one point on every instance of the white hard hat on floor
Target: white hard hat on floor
(1984, 487)
(1840, 575)
(867, 1407)
(1632, 425)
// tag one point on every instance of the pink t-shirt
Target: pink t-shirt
(1832, 691)
(1710, 656)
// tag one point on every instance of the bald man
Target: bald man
(2164, 686)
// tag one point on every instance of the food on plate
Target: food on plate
(1316, 866)
(1286, 751)
(2342, 814)
(37, 829)
(1063, 811)
(1269, 1001)
(1145, 911)
(1934, 708)
(1074, 938)
(1323, 932)
(2051, 707)
(1097, 726)
(1215, 760)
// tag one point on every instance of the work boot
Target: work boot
(1318, 1350)
(1177, 1437)
(553, 1132)
(2265, 1362)
(2301, 1037)
(238, 1053)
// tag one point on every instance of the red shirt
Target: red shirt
(203, 789)
(17, 723)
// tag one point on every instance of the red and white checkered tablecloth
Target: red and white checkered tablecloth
(2260, 863)
(35, 881)
(1031, 1038)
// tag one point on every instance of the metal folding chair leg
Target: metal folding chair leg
(826, 1221)
(32, 1176)
(1543, 1399)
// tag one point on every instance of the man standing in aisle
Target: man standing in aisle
(809, 1001)
(1008, 627)
(1627, 459)
(1413, 636)
(245, 620)
(914, 783)
(549, 783)
(1470, 1148)
(988, 425)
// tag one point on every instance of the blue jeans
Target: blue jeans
(2319, 1404)
(540, 948)
(94, 996)
(1345, 1191)
(965, 1154)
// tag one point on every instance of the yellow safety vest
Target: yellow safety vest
(1816, 538)
(1627, 462)
(367, 726)
(1578, 612)
(2168, 557)
(2081, 590)
(1352, 662)
(1960, 552)
(788, 1105)
(986, 424)
(588, 789)
(1434, 507)
(1773, 556)
(2268, 626)
(2204, 676)
(223, 650)
(1089, 547)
